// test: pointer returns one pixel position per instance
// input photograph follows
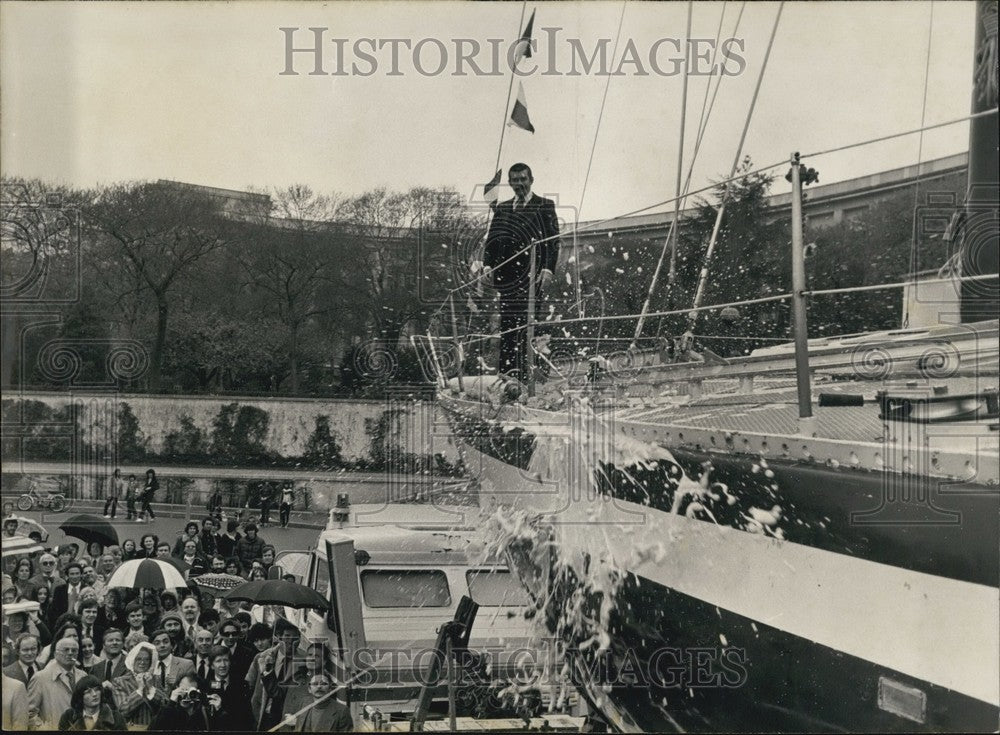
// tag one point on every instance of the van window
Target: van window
(323, 577)
(405, 588)
(495, 588)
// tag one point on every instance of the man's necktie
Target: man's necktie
(202, 669)
(31, 671)
(71, 678)
(191, 632)
(163, 675)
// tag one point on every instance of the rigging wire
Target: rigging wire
(764, 300)
(920, 158)
(590, 161)
(891, 136)
(699, 293)
(784, 162)
(680, 145)
(672, 234)
(510, 88)
(703, 119)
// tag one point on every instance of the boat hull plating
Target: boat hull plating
(869, 601)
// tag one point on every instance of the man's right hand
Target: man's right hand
(487, 272)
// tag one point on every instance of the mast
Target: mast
(979, 252)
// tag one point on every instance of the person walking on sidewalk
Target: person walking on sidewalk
(215, 506)
(287, 500)
(266, 502)
(131, 488)
(116, 486)
(147, 494)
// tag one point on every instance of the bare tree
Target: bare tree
(406, 246)
(157, 233)
(39, 228)
(294, 261)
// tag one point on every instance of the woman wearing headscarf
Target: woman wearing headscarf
(90, 710)
(138, 693)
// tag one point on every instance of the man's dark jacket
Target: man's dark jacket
(511, 231)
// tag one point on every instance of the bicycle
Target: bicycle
(56, 502)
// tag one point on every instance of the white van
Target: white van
(393, 586)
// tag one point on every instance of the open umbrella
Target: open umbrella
(157, 574)
(278, 592)
(90, 528)
(179, 564)
(216, 581)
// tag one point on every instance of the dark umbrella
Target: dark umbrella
(278, 592)
(89, 529)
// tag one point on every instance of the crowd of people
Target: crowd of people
(90, 656)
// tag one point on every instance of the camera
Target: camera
(192, 696)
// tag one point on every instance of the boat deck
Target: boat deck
(774, 410)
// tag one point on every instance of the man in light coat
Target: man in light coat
(51, 689)
(15, 705)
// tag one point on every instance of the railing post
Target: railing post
(529, 356)
(458, 345)
(799, 301)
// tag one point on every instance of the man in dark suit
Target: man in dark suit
(233, 693)
(517, 223)
(65, 596)
(241, 654)
(25, 667)
(204, 642)
(113, 664)
(89, 610)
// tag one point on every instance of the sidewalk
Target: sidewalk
(315, 520)
(215, 472)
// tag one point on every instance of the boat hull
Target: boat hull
(867, 605)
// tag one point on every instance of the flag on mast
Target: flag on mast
(523, 47)
(491, 191)
(519, 114)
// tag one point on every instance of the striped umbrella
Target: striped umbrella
(158, 574)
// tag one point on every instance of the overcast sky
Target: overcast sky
(102, 92)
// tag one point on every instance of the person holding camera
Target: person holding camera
(188, 709)
(233, 692)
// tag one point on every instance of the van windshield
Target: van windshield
(495, 588)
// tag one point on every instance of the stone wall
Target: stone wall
(178, 429)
